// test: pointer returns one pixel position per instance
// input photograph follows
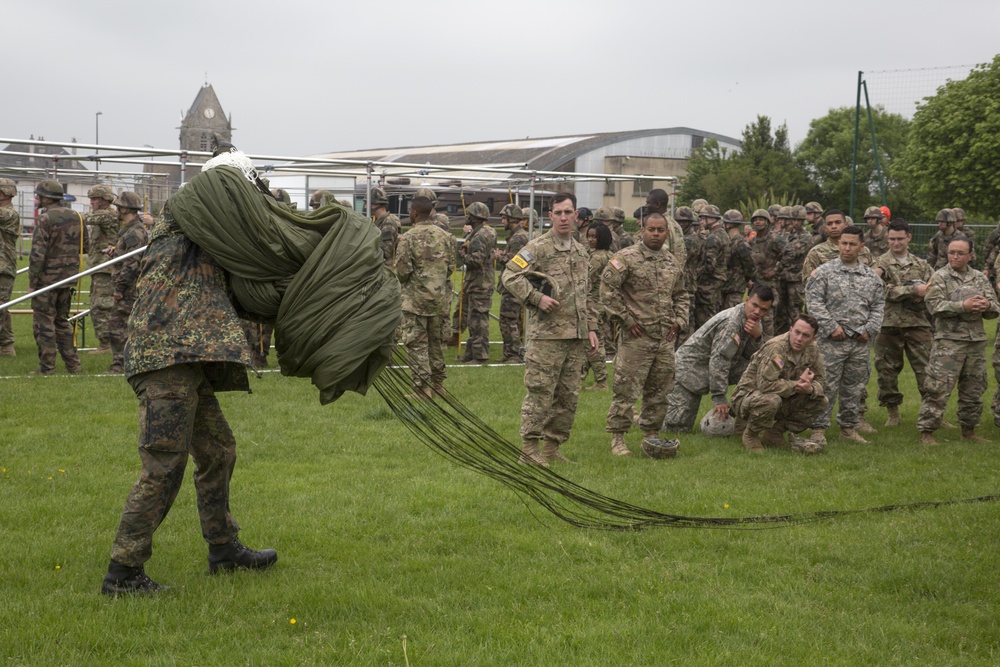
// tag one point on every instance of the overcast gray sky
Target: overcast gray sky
(302, 77)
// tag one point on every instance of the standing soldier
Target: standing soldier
(991, 250)
(618, 228)
(876, 236)
(814, 216)
(791, 293)
(10, 231)
(711, 272)
(133, 235)
(511, 310)
(102, 230)
(477, 287)
(906, 327)
(778, 226)
(599, 239)
(657, 201)
(834, 224)
(739, 267)
(56, 254)
(551, 278)
(584, 217)
(643, 286)
(606, 217)
(425, 260)
(959, 298)
(937, 255)
(765, 249)
(388, 224)
(959, 214)
(692, 248)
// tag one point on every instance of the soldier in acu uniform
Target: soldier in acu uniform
(739, 267)
(56, 254)
(511, 310)
(102, 233)
(791, 292)
(387, 223)
(10, 231)
(477, 287)
(133, 235)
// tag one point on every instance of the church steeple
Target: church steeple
(203, 119)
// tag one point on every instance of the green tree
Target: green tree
(954, 153)
(826, 155)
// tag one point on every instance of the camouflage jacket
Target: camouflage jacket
(646, 287)
(388, 225)
(937, 253)
(476, 252)
(425, 260)
(818, 234)
(946, 291)
(676, 242)
(765, 250)
(903, 307)
(565, 263)
(515, 242)
(126, 272)
(102, 232)
(878, 245)
(10, 231)
(723, 347)
(56, 246)
(714, 258)
(624, 238)
(776, 369)
(183, 314)
(991, 250)
(739, 268)
(827, 251)
(692, 248)
(598, 262)
(852, 297)
(793, 253)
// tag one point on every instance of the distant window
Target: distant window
(641, 187)
(609, 189)
(696, 141)
(203, 144)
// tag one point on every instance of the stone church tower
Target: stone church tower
(204, 118)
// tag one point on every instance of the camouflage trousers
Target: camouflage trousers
(178, 415)
(954, 362)
(847, 373)
(707, 302)
(890, 345)
(102, 304)
(609, 337)
(795, 413)
(421, 335)
(685, 333)
(644, 367)
(995, 407)
(511, 326)
(52, 329)
(730, 299)
(118, 332)
(598, 361)
(6, 330)
(790, 302)
(682, 409)
(476, 312)
(552, 381)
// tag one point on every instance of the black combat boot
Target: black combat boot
(125, 580)
(233, 555)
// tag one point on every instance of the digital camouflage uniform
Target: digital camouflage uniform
(958, 354)
(707, 363)
(765, 396)
(10, 231)
(645, 287)
(102, 227)
(711, 274)
(852, 297)
(56, 249)
(425, 260)
(124, 278)
(791, 290)
(557, 341)
(388, 225)
(739, 272)
(477, 290)
(184, 344)
(598, 360)
(511, 310)
(906, 326)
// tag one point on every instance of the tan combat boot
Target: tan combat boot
(751, 440)
(818, 435)
(8, 350)
(773, 437)
(893, 418)
(852, 434)
(946, 424)
(551, 453)
(422, 393)
(969, 434)
(529, 454)
(927, 438)
(618, 446)
(103, 348)
(864, 427)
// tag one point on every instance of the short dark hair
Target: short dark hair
(422, 205)
(603, 235)
(855, 230)
(649, 216)
(560, 197)
(658, 196)
(808, 319)
(834, 211)
(763, 293)
(899, 225)
(963, 239)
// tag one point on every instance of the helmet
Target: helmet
(888, 214)
(944, 215)
(732, 217)
(426, 192)
(378, 196)
(512, 211)
(709, 211)
(619, 213)
(529, 215)
(49, 188)
(655, 448)
(717, 428)
(584, 214)
(8, 187)
(785, 212)
(128, 199)
(317, 197)
(101, 192)
(873, 212)
(604, 214)
(799, 212)
(684, 214)
(441, 218)
(477, 209)
(814, 207)
(959, 214)
(697, 205)
(282, 195)
(805, 445)
(775, 211)
(760, 213)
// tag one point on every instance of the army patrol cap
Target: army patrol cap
(959, 214)
(655, 448)
(873, 212)
(583, 214)
(378, 196)
(49, 188)
(698, 204)
(814, 207)
(732, 217)
(604, 214)
(760, 213)
(101, 192)
(799, 212)
(944, 215)
(684, 214)
(709, 211)
(8, 187)
(128, 199)
(477, 210)
(714, 427)
(426, 192)
(619, 214)
(512, 211)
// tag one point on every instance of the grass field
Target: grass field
(390, 555)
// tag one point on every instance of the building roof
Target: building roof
(44, 161)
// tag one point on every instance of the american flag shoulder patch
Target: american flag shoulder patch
(778, 361)
(615, 262)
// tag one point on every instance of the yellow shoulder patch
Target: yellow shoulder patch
(520, 261)
(617, 264)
